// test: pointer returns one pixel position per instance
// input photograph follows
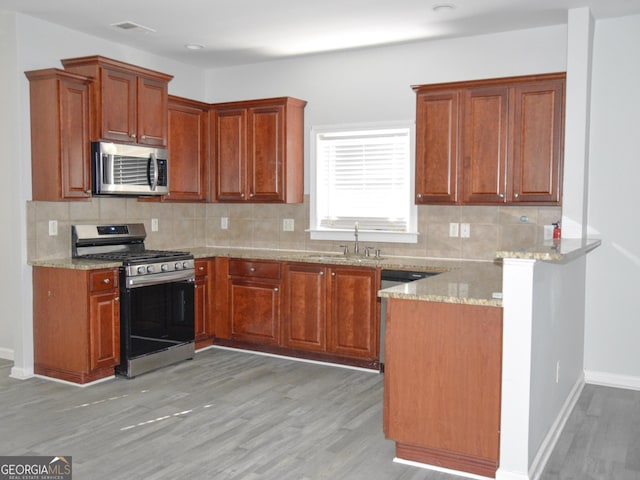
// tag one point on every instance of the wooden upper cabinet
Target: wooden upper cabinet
(437, 151)
(60, 151)
(484, 145)
(258, 150)
(130, 102)
(496, 141)
(188, 144)
(537, 142)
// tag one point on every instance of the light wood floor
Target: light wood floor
(235, 415)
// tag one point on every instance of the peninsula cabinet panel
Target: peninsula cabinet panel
(76, 323)
(437, 119)
(442, 384)
(258, 150)
(305, 307)
(60, 150)
(204, 302)
(129, 102)
(188, 144)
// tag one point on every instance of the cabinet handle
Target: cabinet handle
(106, 281)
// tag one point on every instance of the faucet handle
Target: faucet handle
(345, 249)
(367, 251)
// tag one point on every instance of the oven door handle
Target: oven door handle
(158, 278)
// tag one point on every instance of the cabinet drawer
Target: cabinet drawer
(252, 268)
(103, 280)
(202, 268)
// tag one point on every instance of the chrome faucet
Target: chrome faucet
(356, 247)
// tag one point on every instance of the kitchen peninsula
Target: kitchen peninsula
(473, 383)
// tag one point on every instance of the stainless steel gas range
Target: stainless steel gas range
(156, 295)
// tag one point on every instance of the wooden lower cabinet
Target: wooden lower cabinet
(76, 323)
(308, 310)
(333, 310)
(203, 303)
(442, 384)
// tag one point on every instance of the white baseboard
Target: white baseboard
(6, 353)
(21, 373)
(550, 440)
(612, 380)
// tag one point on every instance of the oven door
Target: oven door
(157, 326)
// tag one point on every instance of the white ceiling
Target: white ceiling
(235, 32)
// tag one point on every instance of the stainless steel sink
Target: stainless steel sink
(341, 258)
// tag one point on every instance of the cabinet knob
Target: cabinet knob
(516, 195)
(201, 268)
(320, 273)
(501, 195)
(419, 195)
(251, 195)
(117, 299)
(275, 289)
(252, 269)
(333, 274)
(242, 195)
(106, 281)
(133, 135)
(143, 137)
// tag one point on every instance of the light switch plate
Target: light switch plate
(454, 229)
(154, 224)
(465, 230)
(224, 223)
(53, 228)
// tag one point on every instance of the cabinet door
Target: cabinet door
(305, 307)
(436, 147)
(104, 329)
(485, 145)
(537, 134)
(265, 162)
(254, 307)
(118, 121)
(353, 312)
(151, 108)
(230, 154)
(188, 151)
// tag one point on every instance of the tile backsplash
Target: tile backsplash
(184, 225)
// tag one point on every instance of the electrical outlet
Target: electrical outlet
(53, 228)
(453, 229)
(154, 224)
(224, 223)
(465, 230)
(288, 224)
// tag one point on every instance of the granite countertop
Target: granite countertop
(458, 281)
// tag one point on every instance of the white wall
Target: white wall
(613, 270)
(375, 84)
(27, 44)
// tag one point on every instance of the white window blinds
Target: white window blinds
(364, 176)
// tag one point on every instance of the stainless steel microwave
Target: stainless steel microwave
(135, 170)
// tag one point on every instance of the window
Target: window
(363, 174)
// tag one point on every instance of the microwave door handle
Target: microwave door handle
(109, 162)
(154, 179)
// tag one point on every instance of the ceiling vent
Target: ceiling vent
(132, 26)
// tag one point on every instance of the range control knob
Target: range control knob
(164, 267)
(185, 264)
(178, 266)
(141, 270)
(151, 269)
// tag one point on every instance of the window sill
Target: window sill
(365, 236)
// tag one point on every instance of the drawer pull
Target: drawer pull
(252, 269)
(201, 268)
(106, 281)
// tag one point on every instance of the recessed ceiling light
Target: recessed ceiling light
(194, 46)
(444, 7)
